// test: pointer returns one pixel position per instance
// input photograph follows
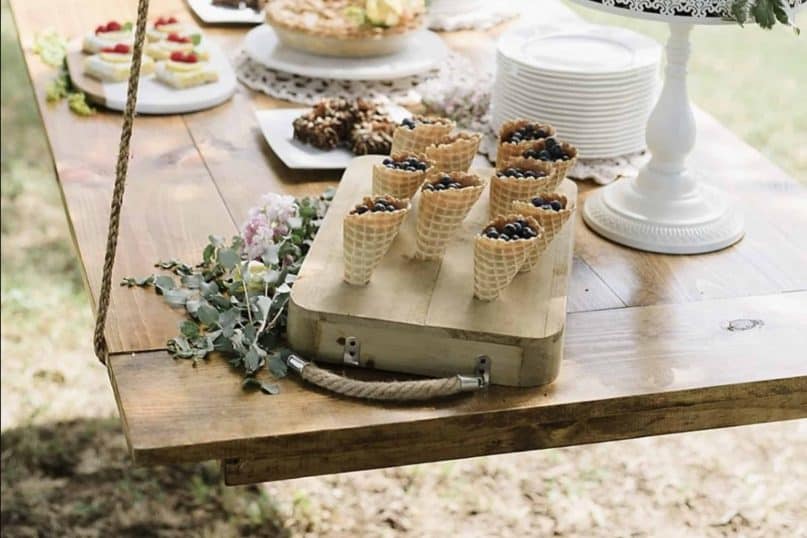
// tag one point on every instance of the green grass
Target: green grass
(752, 80)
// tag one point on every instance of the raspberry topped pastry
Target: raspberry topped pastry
(162, 50)
(367, 234)
(552, 211)
(500, 251)
(400, 174)
(185, 70)
(445, 200)
(165, 26)
(521, 179)
(515, 137)
(417, 133)
(454, 151)
(112, 64)
(345, 28)
(108, 35)
(560, 155)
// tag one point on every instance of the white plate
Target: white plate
(506, 65)
(425, 51)
(582, 50)
(210, 14)
(276, 126)
(531, 96)
(621, 118)
(154, 97)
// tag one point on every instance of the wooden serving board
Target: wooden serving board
(421, 317)
(153, 97)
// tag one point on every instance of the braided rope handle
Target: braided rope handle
(401, 391)
(121, 170)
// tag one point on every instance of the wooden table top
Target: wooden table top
(649, 348)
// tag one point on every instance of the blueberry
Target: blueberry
(549, 143)
(556, 205)
(455, 185)
(530, 154)
(556, 152)
(379, 206)
(421, 166)
(440, 186)
(411, 168)
(546, 206)
(445, 179)
(492, 233)
(360, 209)
(565, 157)
(428, 187)
(388, 161)
(391, 207)
(530, 173)
(527, 232)
(544, 155)
(537, 201)
(504, 237)
(509, 229)
(409, 123)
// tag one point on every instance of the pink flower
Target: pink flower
(268, 223)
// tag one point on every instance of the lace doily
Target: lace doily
(480, 16)
(696, 9)
(308, 90)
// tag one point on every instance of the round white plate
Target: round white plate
(154, 97)
(551, 87)
(506, 65)
(424, 52)
(583, 50)
(530, 96)
(637, 112)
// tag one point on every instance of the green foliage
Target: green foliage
(52, 49)
(237, 307)
(766, 13)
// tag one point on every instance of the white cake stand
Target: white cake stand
(666, 208)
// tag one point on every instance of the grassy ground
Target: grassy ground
(74, 478)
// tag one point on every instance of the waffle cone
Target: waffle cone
(422, 136)
(440, 213)
(508, 150)
(505, 190)
(551, 222)
(497, 262)
(560, 166)
(366, 239)
(454, 152)
(399, 183)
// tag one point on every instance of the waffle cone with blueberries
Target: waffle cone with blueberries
(417, 133)
(367, 234)
(552, 211)
(521, 179)
(500, 251)
(561, 155)
(516, 136)
(400, 174)
(455, 151)
(445, 200)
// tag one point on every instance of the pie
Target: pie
(345, 28)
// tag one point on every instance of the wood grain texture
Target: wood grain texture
(664, 366)
(640, 362)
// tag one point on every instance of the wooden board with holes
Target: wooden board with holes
(420, 317)
(650, 347)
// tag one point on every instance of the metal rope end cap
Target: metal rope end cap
(296, 363)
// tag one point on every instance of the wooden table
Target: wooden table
(649, 343)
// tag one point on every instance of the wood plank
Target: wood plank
(168, 188)
(642, 362)
(681, 412)
(770, 259)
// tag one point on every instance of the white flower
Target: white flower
(269, 223)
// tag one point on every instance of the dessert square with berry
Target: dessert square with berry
(113, 64)
(162, 50)
(185, 70)
(108, 35)
(165, 26)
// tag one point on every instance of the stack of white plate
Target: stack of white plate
(595, 84)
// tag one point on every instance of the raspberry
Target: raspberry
(113, 26)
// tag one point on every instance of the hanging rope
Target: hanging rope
(99, 341)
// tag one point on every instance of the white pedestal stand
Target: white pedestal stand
(665, 209)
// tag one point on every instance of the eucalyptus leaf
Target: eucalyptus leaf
(189, 329)
(228, 258)
(266, 388)
(207, 315)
